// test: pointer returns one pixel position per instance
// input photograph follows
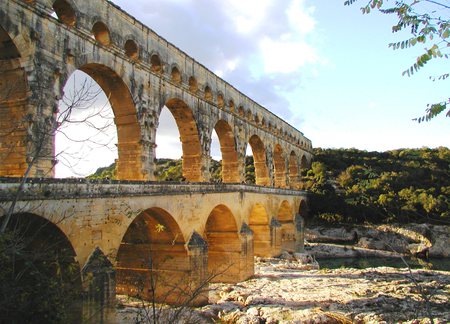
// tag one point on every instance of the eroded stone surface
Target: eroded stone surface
(281, 293)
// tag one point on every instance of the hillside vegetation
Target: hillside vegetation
(171, 170)
(353, 186)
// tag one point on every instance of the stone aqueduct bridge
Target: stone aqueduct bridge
(208, 228)
(42, 42)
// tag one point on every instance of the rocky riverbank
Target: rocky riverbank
(282, 292)
(424, 240)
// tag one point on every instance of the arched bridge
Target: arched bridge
(200, 225)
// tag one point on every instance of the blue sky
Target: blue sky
(322, 66)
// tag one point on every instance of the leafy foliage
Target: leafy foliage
(38, 284)
(427, 21)
(400, 185)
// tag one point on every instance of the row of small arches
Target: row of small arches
(101, 33)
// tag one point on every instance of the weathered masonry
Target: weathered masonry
(141, 73)
(205, 226)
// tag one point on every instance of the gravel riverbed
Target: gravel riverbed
(282, 292)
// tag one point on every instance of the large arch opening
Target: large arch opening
(259, 224)
(259, 159)
(230, 169)
(189, 137)
(303, 163)
(152, 261)
(216, 161)
(129, 163)
(224, 246)
(13, 109)
(279, 164)
(168, 149)
(285, 216)
(86, 139)
(293, 170)
(38, 271)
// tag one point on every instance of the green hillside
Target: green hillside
(353, 186)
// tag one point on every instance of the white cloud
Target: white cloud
(247, 16)
(300, 17)
(286, 56)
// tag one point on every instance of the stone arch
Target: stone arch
(101, 33)
(241, 111)
(130, 150)
(259, 157)
(303, 210)
(176, 75)
(259, 224)
(193, 85)
(249, 115)
(44, 245)
(293, 170)
(208, 93)
(189, 136)
(224, 246)
(220, 100)
(231, 105)
(279, 164)
(13, 109)
(131, 49)
(156, 64)
(303, 163)
(285, 216)
(65, 12)
(152, 248)
(230, 164)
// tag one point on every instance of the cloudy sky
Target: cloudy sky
(323, 67)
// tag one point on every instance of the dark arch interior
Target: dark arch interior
(208, 94)
(259, 224)
(65, 12)
(286, 217)
(152, 251)
(131, 49)
(155, 62)
(193, 86)
(101, 33)
(224, 246)
(293, 170)
(176, 75)
(39, 269)
(13, 109)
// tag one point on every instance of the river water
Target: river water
(442, 264)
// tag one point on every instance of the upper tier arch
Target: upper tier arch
(146, 73)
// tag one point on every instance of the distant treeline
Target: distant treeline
(353, 186)
(171, 170)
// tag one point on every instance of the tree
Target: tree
(40, 279)
(428, 22)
